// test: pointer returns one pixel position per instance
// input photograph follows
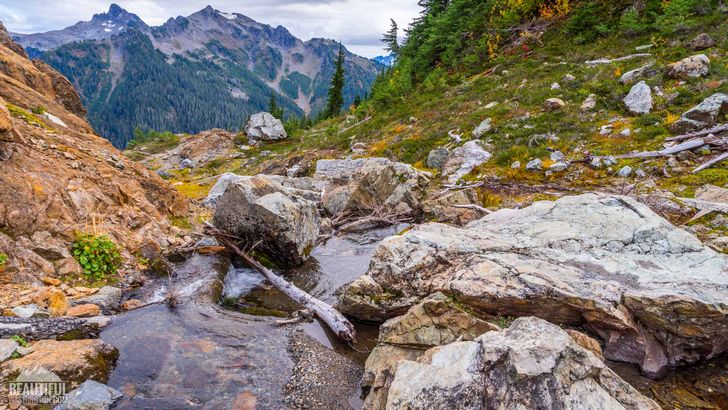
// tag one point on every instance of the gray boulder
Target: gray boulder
(437, 157)
(308, 188)
(589, 104)
(264, 127)
(639, 99)
(706, 114)
(463, 160)
(260, 209)
(534, 165)
(631, 76)
(701, 42)
(559, 166)
(364, 185)
(531, 365)
(483, 128)
(625, 172)
(690, 67)
(605, 260)
(90, 395)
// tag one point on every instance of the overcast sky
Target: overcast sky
(358, 24)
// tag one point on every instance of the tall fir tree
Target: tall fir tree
(336, 92)
(274, 109)
(390, 39)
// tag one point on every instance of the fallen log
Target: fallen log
(335, 320)
(65, 328)
(615, 60)
(720, 158)
(371, 222)
(714, 130)
(685, 146)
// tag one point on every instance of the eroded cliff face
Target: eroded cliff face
(58, 178)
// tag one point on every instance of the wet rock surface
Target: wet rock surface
(559, 261)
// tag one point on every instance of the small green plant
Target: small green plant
(24, 115)
(97, 255)
(19, 339)
(3, 259)
(39, 110)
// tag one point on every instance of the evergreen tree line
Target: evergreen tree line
(460, 37)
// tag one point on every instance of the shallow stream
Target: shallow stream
(221, 348)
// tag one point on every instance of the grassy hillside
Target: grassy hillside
(453, 87)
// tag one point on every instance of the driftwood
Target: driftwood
(370, 222)
(720, 158)
(335, 320)
(608, 61)
(50, 328)
(355, 125)
(713, 130)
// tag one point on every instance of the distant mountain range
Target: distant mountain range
(210, 69)
(385, 60)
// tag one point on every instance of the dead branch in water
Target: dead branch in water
(370, 222)
(335, 320)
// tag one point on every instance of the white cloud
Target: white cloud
(358, 24)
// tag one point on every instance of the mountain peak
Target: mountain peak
(115, 10)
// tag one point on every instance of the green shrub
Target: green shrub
(3, 259)
(39, 110)
(677, 14)
(97, 255)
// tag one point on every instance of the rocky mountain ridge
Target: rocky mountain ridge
(116, 60)
(60, 179)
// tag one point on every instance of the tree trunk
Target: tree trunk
(65, 328)
(335, 320)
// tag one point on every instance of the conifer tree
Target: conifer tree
(390, 39)
(274, 109)
(336, 92)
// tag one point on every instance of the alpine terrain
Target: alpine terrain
(527, 210)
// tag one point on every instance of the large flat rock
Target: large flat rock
(655, 293)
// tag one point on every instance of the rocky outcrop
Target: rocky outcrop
(703, 115)
(265, 127)
(464, 159)
(639, 99)
(691, 67)
(604, 261)
(364, 185)
(435, 321)
(284, 224)
(531, 365)
(192, 151)
(61, 179)
(73, 361)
